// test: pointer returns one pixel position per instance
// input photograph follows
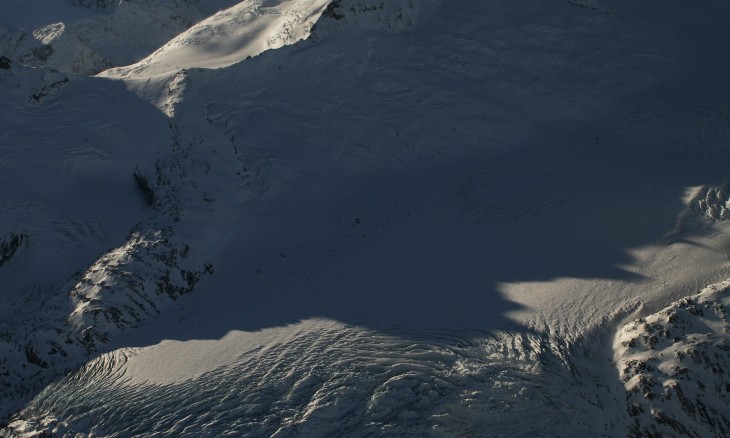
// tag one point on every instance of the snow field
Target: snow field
(422, 219)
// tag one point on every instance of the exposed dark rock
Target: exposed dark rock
(5, 62)
(10, 246)
(144, 187)
(674, 368)
(38, 55)
(43, 52)
(32, 357)
(674, 424)
(48, 89)
(98, 4)
(331, 10)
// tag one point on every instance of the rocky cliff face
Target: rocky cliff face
(99, 4)
(48, 331)
(674, 364)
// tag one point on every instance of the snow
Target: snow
(673, 363)
(312, 378)
(86, 38)
(230, 36)
(23, 14)
(400, 218)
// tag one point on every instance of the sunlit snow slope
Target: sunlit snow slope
(423, 218)
(230, 36)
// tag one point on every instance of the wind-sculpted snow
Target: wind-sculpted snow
(675, 365)
(425, 217)
(320, 378)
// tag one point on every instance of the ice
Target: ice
(364, 218)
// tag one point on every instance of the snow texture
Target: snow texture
(363, 217)
(674, 365)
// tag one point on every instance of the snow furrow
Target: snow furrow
(321, 377)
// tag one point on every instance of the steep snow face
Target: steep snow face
(230, 36)
(136, 28)
(423, 218)
(250, 28)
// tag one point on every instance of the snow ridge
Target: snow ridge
(471, 163)
(112, 33)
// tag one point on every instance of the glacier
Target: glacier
(363, 217)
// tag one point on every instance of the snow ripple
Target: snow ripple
(330, 379)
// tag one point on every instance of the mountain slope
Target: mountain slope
(422, 219)
(230, 36)
(88, 37)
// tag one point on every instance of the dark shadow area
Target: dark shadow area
(428, 240)
(428, 247)
(415, 175)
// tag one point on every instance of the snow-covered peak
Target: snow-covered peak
(86, 37)
(414, 221)
(230, 36)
